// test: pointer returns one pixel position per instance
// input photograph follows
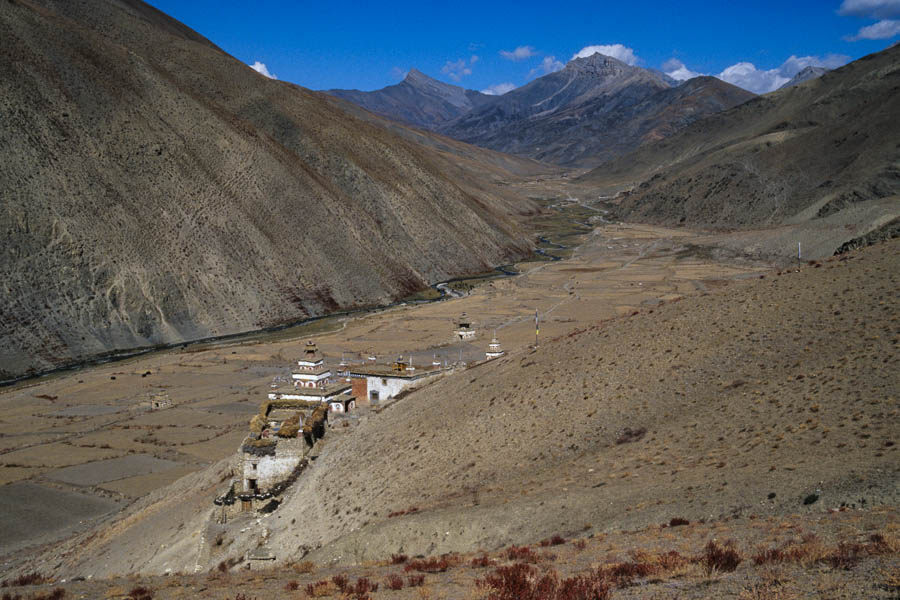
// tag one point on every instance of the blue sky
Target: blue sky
(495, 45)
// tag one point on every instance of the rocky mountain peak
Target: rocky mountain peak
(416, 76)
(805, 74)
(597, 64)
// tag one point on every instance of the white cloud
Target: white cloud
(498, 89)
(262, 70)
(623, 53)
(760, 81)
(747, 76)
(676, 69)
(520, 53)
(456, 70)
(872, 9)
(882, 30)
(888, 11)
(548, 65)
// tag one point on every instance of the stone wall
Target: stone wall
(269, 470)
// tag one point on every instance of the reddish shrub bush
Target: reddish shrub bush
(845, 557)
(514, 582)
(342, 583)
(483, 561)
(622, 574)
(363, 587)
(319, 588)
(394, 582)
(523, 582)
(579, 544)
(429, 565)
(415, 580)
(678, 521)
(523, 553)
(398, 559)
(291, 586)
(556, 540)
(722, 558)
(591, 587)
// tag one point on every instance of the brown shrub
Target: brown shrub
(342, 582)
(393, 582)
(429, 565)
(32, 578)
(722, 558)
(523, 553)
(307, 566)
(140, 593)
(482, 561)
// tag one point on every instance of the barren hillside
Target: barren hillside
(824, 148)
(768, 396)
(156, 190)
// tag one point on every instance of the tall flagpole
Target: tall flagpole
(537, 328)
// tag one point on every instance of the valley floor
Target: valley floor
(668, 383)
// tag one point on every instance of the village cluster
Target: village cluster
(296, 415)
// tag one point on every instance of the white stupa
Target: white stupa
(494, 349)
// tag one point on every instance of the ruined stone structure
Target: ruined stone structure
(464, 329)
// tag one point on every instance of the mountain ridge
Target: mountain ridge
(162, 191)
(821, 155)
(594, 109)
(418, 100)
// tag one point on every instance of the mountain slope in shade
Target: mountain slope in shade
(418, 100)
(594, 109)
(823, 153)
(805, 74)
(157, 190)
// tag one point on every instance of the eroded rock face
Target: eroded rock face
(156, 190)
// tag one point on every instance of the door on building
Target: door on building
(253, 487)
(373, 397)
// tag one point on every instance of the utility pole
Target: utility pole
(537, 328)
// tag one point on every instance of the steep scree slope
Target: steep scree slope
(156, 190)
